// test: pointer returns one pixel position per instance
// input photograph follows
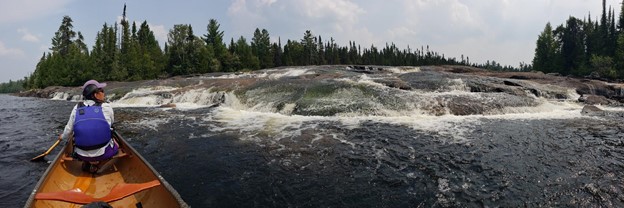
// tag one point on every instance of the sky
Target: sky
(501, 30)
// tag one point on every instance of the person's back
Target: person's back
(90, 122)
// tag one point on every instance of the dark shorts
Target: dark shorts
(108, 153)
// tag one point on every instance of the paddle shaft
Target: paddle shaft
(58, 141)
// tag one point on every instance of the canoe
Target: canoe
(128, 181)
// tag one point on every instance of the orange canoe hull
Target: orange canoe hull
(129, 182)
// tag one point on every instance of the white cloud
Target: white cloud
(461, 14)
(159, 32)
(27, 36)
(268, 2)
(11, 11)
(4, 51)
(290, 19)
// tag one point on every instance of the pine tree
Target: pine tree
(64, 37)
(153, 58)
(277, 52)
(261, 47)
(309, 48)
(214, 40)
(545, 51)
(572, 47)
(244, 52)
(177, 50)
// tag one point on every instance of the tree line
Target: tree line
(583, 47)
(124, 52)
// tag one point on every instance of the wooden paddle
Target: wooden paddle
(41, 156)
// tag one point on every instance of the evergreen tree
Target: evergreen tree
(309, 48)
(64, 37)
(619, 56)
(243, 51)
(321, 51)
(152, 56)
(545, 51)
(177, 50)
(214, 40)
(81, 44)
(572, 47)
(261, 47)
(128, 52)
(106, 56)
(276, 50)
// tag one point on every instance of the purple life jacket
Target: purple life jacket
(91, 130)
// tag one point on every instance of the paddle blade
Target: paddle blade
(39, 158)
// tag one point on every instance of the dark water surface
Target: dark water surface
(323, 163)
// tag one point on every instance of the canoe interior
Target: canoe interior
(65, 175)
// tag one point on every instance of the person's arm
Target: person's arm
(69, 128)
(109, 115)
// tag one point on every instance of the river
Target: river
(228, 156)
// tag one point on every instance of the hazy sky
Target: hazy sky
(500, 30)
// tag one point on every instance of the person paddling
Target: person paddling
(90, 122)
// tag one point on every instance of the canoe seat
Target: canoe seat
(118, 192)
(119, 154)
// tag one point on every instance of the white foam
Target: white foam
(60, 96)
(546, 110)
(197, 97)
(143, 101)
(455, 85)
(363, 80)
(155, 97)
(449, 128)
(397, 70)
(277, 125)
(152, 123)
(288, 72)
(268, 73)
(237, 75)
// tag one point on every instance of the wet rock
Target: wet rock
(590, 110)
(595, 100)
(395, 83)
(168, 105)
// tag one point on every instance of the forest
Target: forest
(583, 48)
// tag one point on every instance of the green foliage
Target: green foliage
(106, 55)
(545, 51)
(152, 56)
(309, 49)
(214, 41)
(242, 50)
(603, 65)
(583, 47)
(261, 47)
(12, 87)
(64, 37)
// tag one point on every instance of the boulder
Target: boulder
(595, 100)
(590, 110)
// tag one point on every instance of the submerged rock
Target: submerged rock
(595, 100)
(590, 110)
(168, 105)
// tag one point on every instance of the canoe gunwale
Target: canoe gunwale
(31, 199)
